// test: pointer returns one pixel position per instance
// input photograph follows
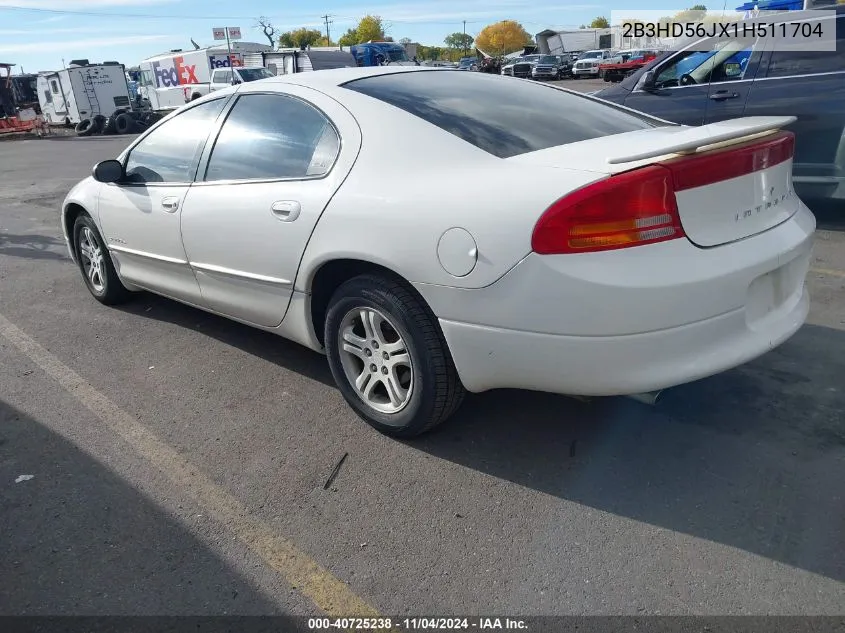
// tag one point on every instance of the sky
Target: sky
(37, 35)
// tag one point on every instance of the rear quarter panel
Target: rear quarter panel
(396, 204)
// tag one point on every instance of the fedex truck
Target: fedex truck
(166, 82)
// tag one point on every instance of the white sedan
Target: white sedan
(436, 232)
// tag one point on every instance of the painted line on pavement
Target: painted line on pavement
(328, 592)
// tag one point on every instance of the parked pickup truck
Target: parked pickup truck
(621, 66)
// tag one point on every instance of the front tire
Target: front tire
(95, 263)
(389, 357)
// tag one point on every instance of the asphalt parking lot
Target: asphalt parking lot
(155, 459)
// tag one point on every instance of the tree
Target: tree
(600, 23)
(270, 31)
(350, 38)
(300, 37)
(695, 14)
(503, 37)
(405, 40)
(459, 41)
(371, 27)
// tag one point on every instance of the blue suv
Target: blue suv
(738, 78)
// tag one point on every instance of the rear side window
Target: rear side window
(785, 62)
(271, 137)
(502, 116)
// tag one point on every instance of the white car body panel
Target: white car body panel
(244, 256)
(671, 323)
(406, 240)
(144, 238)
(604, 323)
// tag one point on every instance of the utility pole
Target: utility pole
(328, 35)
(465, 38)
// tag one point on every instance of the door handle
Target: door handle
(723, 94)
(286, 210)
(171, 205)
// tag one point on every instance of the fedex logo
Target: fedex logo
(224, 61)
(178, 74)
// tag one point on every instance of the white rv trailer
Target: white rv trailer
(81, 91)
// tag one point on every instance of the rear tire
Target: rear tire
(382, 337)
(95, 263)
(85, 127)
(99, 123)
(125, 124)
(111, 123)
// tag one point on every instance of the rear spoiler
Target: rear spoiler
(691, 139)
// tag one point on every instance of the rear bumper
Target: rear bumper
(620, 322)
(493, 358)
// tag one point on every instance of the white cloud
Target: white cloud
(434, 12)
(37, 32)
(70, 47)
(441, 16)
(59, 5)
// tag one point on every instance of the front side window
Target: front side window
(502, 118)
(728, 60)
(169, 153)
(788, 60)
(272, 136)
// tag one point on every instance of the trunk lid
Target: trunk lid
(733, 179)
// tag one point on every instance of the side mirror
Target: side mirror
(647, 81)
(108, 171)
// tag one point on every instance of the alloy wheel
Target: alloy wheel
(92, 259)
(376, 360)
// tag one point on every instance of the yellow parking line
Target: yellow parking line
(828, 271)
(301, 571)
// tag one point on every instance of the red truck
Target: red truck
(617, 68)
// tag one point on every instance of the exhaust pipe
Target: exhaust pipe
(649, 398)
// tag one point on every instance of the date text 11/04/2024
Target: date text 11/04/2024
(416, 624)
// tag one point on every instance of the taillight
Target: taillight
(630, 209)
(639, 206)
(731, 162)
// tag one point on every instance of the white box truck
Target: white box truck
(82, 91)
(169, 81)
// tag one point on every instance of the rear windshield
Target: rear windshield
(500, 115)
(254, 74)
